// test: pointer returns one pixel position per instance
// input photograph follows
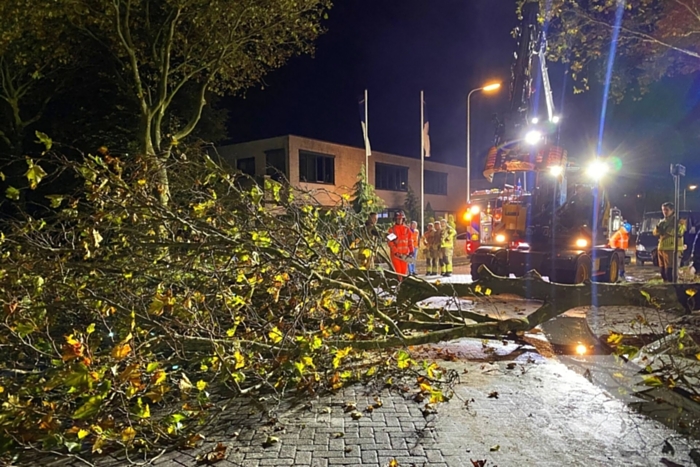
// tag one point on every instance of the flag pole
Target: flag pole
(367, 133)
(422, 166)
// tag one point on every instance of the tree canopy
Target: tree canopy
(656, 38)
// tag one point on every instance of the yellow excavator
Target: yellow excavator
(560, 224)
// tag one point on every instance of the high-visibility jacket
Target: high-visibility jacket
(620, 239)
(403, 243)
(447, 237)
(664, 230)
(415, 237)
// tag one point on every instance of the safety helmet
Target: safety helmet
(399, 215)
(627, 226)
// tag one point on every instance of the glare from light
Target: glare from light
(581, 243)
(556, 119)
(556, 170)
(500, 238)
(492, 87)
(475, 209)
(467, 216)
(535, 120)
(533, 137)
(692, 187)
(581, 349)
(597, 169)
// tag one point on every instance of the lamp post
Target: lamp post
(487, 88)
(690, 188)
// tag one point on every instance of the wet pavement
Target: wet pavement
(530, 403)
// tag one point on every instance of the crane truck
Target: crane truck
(558, 228)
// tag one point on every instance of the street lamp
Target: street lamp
(487, 88)
(690, 188)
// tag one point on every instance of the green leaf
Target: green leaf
(34, 174)
(151, 367)
(44, 139)
(56, 200)
(334, 246)
(653, 381)
(403, 360)
(89, 408)
(12, 193)
(91, 328)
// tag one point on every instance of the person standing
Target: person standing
(416, 239)
(400, 243)
(435, 241)
(447, 249)
(426, 242)
(695, 255)
(667, 241)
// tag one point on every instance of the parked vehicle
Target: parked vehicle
(646, 242)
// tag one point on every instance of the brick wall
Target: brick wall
(348, 162)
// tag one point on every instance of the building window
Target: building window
(246, 165)
(316, 168)
(276, 164)
(390, 177)
(435, 183)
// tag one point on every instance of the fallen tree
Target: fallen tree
(124, 319)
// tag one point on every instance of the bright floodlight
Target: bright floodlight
(597, 169)
(556, 119)
(692, 187)
(533, 137)
(491, 87)
(581, 349)
(556, 170)
(535, 120)
(500, 238)
(475, 209)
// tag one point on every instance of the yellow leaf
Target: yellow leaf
(83, 433)
(393, 463)
(201, 385)
(425, 387)
(477, 289)
(276, 335)
(121, 351)
(158, 377)
(128, 434)
(487, 292)
(697, 355)
(34, 174)
(669, 329)
(91, 328)
(240, 360)
(615, 338)
(690, 292)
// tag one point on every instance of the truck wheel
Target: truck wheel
(475, 271)
(582, 272)
(613, 273)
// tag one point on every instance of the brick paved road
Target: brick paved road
(545, 415)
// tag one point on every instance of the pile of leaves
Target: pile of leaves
(124, 320)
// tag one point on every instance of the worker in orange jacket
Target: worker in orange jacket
(621, 239)
(401, 244)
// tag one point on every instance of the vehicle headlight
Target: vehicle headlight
(500, 238)
(581, 243)
(640, 247)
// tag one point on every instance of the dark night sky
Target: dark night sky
(395, 48)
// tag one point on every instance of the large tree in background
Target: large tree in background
(36, 50)
(656, 38)
(166, 46)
